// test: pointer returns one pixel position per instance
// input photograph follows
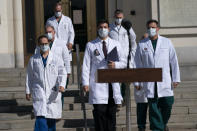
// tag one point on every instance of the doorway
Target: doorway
(84, 15)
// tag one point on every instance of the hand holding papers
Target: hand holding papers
(112, 57)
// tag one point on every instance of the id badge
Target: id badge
(96, 52)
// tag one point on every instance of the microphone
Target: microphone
(126, 24)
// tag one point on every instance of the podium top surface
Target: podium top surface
(129, 75)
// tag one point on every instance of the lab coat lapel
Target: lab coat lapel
(49, 59)
(110, 46)
(61, 20)
(158, 46)
(40, 60)
(115, 27)
(150, 46)
(54, 44)
(99, 47)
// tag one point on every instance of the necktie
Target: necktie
(104, 49)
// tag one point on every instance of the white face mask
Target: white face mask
(152, 32)
(103, 32)
(118, 21)
(44, 48)
(50, 36)
(58, 14)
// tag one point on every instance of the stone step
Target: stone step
(21, 105)
(16, 76)
(24, 102)
(79, 123)
(12, 83)
(180, 88)
(71, 87)
(72, 96)
(78, 107)
(176, 114)
(92, 129)
(185, 102)
(7, 72)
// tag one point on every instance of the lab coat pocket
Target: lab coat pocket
(37, 94)
(97, 59)
(36, 75)
(53, 69)
(37, 67)
(164, 52)
(164, 49)
(146, 52)
(54, 96)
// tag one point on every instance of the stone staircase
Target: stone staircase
(16, 113)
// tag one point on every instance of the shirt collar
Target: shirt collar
(101, 41)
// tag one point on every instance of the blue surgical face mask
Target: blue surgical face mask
(44, 48)
(103, 32)
(50, 36)
(152, 32)
(58, 13)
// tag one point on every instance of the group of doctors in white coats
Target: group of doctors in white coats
(153, 52)
(49, 66)
(48, 70)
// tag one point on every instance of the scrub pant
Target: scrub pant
(105, 114)
(63, 92)
(141, 115)
(44, 124)
(159, 111)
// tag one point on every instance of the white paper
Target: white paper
(77, 17)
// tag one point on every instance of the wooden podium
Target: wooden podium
(127, 76)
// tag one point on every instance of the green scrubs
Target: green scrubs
(160, 111)
(159, 108)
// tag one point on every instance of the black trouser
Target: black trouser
(141, 115)
(105, 114)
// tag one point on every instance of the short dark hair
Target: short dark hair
(102, 22)
(58, 4)
(41, 37)
(118, 11)
(152, 21)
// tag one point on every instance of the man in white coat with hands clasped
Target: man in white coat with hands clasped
(158, 52)
(46, 79)
(119, 33)
(103, 96)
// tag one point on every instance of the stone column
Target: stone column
(18, 33)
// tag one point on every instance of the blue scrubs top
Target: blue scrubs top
(44, 60)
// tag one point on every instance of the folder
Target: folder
(113, 55)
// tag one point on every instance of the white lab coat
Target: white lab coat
(98, 92)
(43, 82)
(64, 30)
(59, 48)
(164, 57)
(119, 33)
